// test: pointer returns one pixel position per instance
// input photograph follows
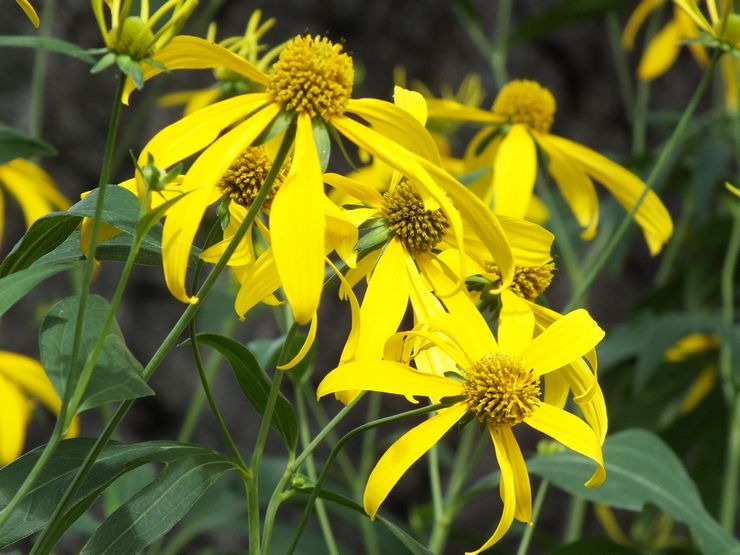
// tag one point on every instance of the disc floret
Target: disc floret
(500, 391)
(244, 178)
(529, 281)
(408, 219)
(314, 76)
(526, 102)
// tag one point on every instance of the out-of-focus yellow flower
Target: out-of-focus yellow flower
(22, 377)
(311, 81)
(498, 381)
(230, 83)
(29, 11)
(686, 347)
(140, 36)
(734, 190)
(518, 122)
(723, 23)
(32, 187)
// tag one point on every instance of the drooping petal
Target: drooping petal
(661, 52)
(193, 133)
(567, 339)
(507, 488)
(449, 109)
(14, 414)
(406, 451)
(575, 186)
(521, 476)
(305, 348)
(516, 324)
(297, 226)
(587, 395)
(626, 187)
(387, 377)
(411, 101)
(29, 11)
(530, 243)
(22, 189)
(556, 389)
(354, 188)
(40, 181)
(30, 376)
(468, 337)
(514, 173)
(184, 217)
(572, 432)
(188, 52)
(636, 19)
(398, 125)
(258, 282)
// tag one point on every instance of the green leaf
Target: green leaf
(117, 374)
(156, 508)
(255, 384)
(640, 469)
(410, 543)
(44, 235)
(16, 145)
(37, 506)
(322, 140)
(104, 63)
(47, 43)
(15, 286)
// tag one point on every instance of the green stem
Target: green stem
(62, 423)
(639, 118)
(673, 248)
(367, 456)
(500, 40)
(333, 455)
(728, 504)
(660, 165)
(331, 544)
(624, 77)
(277, 494)
(529, 530)
(50, 534)
(36, 102)
(576, 516)
(435, 484)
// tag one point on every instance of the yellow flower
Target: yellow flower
(21, 377)
(723, 23)
(685, 348)
(140, 36)
(32, 187)
(230, 83)
(29, 11)
(497, 382)
(312, 81)
(521, 117)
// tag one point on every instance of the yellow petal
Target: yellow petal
(387, 377)
(661, 52)
(636, 19)
(398, 125)
(530, 243)
(259, 281)
(29, 11)
(23, 190)
(507, 488)
(587, 395)
(516, 324)
(521, 476)
(474, 342)
(244, 253)
(556, 389)
(405, 452)
(184, 217)
(297, 226)
(514, 172)
(411, 101)
(193, 133)
(40, 181)
(626, 187)
(301, 354)
(575, 186)
(449, 109)
(354, 188)
(14, 416)
(30, 376)
(572, 432)
(567, 339)
(187, 52)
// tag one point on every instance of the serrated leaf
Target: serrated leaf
(157, 507)
(410, 543)
(640, 469)
(44, 235)
(255, 384)
(117, 374)
(15, 286)
(322, 140)
(16, 145)
(36, 508)
(49, 44)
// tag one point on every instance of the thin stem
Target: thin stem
(277, 494)
(576, 516)
(61, 422)
(49, 534)
(639, 118)
(673, 247)
(435, 484)
(527, 536)
(345, 438)
(660, 164)
(624, 77)
(36, 102)
(728, 504)
(367, 456)
(500, 40)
